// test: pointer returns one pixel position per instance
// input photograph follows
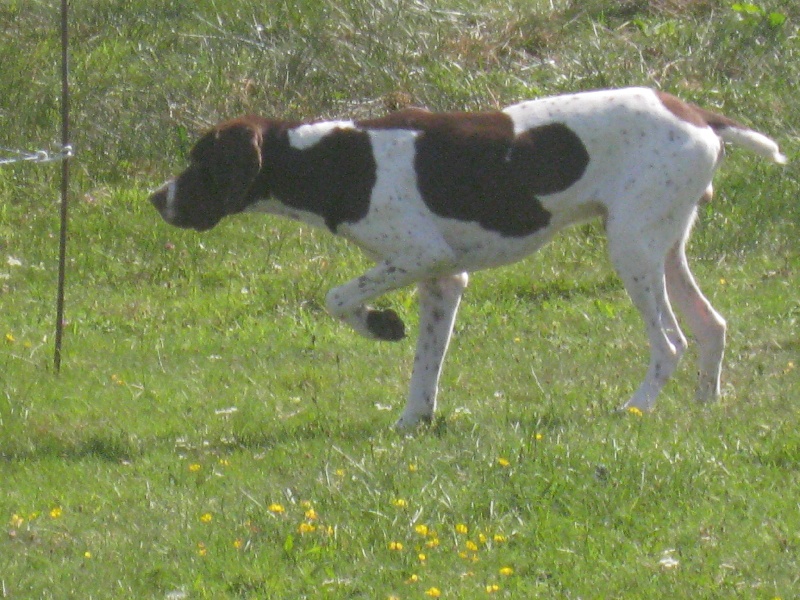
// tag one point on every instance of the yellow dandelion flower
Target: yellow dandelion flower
(414, 578)
(56, 512)
(201, 549)
(87, 554)
(339, 472)
(462, 529)
(311, 514)
(538, 437)
(503, 462)
(635, 411)
(422, 530)
(492, 588)
(499, 538)
(306, 528)
(206, 518)
(471, 546)
(10, 338)
(306, 504)
(194, 467)
(432, 543)
(400, 503)
(412, 468)
(396, 546)
(224, 462)
(482, 538)
(276, 508)
(238, 544)
(506, 571)
(433, 592)
(422, 557)
(16, 521)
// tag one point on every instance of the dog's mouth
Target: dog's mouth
(162, 198)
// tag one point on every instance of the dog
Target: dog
(433, 196)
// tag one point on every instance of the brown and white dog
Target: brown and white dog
(432, 196)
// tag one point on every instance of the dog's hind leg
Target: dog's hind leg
(438, 305)
(706, 324)
(640, 265)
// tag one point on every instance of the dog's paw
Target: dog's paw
(636, 406)
(411, 421)
(386, 325)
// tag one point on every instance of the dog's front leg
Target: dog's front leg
(438, 304)
(348, 302)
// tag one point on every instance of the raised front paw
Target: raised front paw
(386, 325)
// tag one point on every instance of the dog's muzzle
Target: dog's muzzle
(162, 199)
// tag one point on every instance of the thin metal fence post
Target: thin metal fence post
(62, 250)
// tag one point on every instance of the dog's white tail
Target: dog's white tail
(752, 140)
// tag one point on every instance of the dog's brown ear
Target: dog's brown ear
(232, 154)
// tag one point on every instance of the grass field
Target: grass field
(214, 434)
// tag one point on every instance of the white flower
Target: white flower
(668, 561)
(13, 262)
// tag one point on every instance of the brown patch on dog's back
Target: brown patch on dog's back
(555, 156)
(471, 166)
(694, 114)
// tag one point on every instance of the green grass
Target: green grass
(207, 404)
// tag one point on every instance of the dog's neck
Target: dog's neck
(331, 178)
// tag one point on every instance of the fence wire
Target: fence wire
(40, 156)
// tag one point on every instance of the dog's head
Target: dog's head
(223, 166)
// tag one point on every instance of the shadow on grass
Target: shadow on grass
(560, 289)
(272, 436)
(111, 447)
(258, 437)
(126, 447)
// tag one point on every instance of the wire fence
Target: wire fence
(9, 156)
